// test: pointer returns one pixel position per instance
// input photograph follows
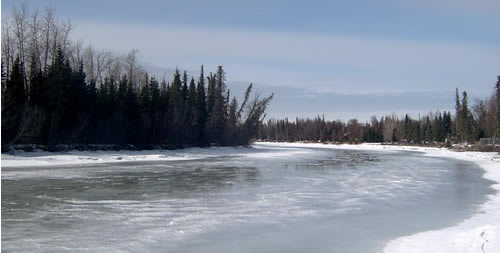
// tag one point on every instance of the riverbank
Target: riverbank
(37, 157)
(480, 233)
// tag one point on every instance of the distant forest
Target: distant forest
(469, 125)
(55, 91)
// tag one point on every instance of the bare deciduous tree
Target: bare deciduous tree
(132, 67)
(8, 47)
(34, 40)
(47, 26)
(36, 37)
(89, 63)
(76, 53)
(20, 24)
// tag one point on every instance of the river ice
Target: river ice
(266, 198)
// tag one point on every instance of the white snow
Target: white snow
(43, 158)
(479, 233)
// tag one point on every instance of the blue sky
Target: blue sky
(342, 59)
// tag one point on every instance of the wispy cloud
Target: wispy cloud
(288, 59)
(470, 7)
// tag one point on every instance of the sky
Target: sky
(340, 59)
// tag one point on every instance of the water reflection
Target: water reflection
(135, 183)
(341, 159)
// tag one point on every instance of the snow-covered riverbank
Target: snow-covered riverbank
(480, 233)
(43, 158)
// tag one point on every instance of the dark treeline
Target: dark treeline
(387, 129)
(55, 92)
(469, 124)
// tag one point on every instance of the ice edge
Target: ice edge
(479, 233)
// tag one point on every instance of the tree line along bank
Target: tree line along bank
(467, 125)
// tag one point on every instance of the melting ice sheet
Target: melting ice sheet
(262, 199)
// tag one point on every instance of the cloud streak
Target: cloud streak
(290, 59)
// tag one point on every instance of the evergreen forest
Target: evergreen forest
(55, 91)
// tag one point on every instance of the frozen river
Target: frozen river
(262, 199)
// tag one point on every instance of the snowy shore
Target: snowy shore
(480, 233)
(44, 158)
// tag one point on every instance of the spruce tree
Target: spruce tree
(447, 124)
(407, 128)
(77, 93)
(467, 120)
(59, 83)
(122, 89)
(191, 97)
(93, 119)
(14, 103)
(176, 107)
(4, 79)
(191, 113)
(497, 87)
(38, 90)
(145, 97)
(458, 115)
(132, 112)
(232, 120)
(211, 93)
(217, 117)
(163, 106)
(428, 130)
(185, 86)
(201, 110)
(155, 114)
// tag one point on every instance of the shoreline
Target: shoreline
(41, 158)
(478, 233)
